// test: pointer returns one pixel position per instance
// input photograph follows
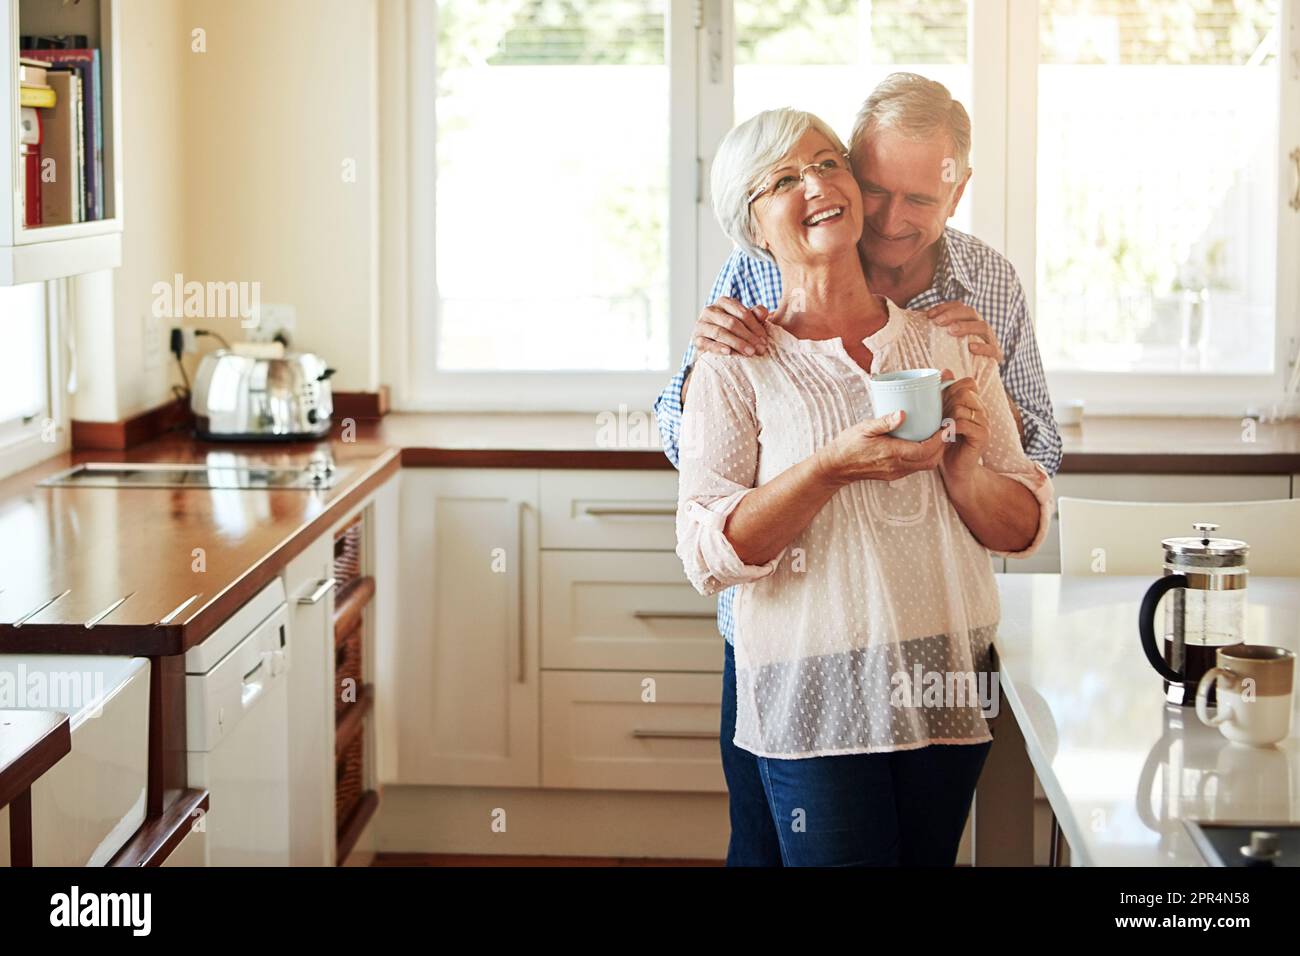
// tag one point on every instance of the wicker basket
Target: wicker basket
(347, 666)
(349, 781)
(347, 556)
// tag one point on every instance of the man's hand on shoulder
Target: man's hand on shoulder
(961, 320)
(727, 326)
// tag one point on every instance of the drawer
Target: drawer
(609, 510)
(598, 733)
(627, 610)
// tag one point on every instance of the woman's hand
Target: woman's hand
(866, 451)
(727, 326)
(968, 433)
(961, 320)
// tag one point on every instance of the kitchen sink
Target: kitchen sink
(318, 474)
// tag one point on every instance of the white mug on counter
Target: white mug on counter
(1254, 690)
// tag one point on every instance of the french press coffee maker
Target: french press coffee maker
(1205, 579)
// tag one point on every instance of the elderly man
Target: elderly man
(910, 155)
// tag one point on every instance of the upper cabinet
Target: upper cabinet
(60, 142)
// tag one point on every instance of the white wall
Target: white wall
(153, 47)
(283, 97)
(234, 171)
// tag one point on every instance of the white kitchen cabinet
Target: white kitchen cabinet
(609, 510)
(632, 731)
(55, 251)
(1116, 487)
(625, 610)
(466, 664)
(309, 584)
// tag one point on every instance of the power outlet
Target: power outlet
(271, 320)
(189, 341)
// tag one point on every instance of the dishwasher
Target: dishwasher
(237, 720)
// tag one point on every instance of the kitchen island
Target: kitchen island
(1120, 768)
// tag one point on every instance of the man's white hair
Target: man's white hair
(745, 156)
(916, 108)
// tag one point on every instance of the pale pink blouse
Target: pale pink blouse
(871, 630)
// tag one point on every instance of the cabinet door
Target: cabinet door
(467, 648)
(311, 704)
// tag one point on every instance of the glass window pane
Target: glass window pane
(1157, 184)
(552, 194)
(826, 56)
(23, 390)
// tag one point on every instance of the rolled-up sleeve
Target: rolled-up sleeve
(1004, 455)
(718, 466)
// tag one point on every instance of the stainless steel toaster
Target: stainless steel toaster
(238, 397)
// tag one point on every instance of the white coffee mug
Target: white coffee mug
(918, 393)
(1254, 693)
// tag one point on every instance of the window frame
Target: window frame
(24, 446)
(417, 385)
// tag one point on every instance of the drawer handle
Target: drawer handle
(516, 606)
(1295, 196)
(676, 615)
(675, 734)
(605, 511)
(322, 589)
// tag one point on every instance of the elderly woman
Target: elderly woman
(867, 595)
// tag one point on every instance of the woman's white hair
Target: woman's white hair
(917, 108)
(745, 156)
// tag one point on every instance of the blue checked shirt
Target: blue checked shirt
(969, 271)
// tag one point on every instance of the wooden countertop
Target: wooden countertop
(31, 742)
(1179, 446)
(631, 440)
(102, 544)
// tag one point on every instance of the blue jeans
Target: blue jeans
(901, 808)
(753, 834)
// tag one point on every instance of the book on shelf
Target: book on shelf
(29, 151)
(60, 191)
(35, 96)
(87, 65)
(31, 72)
(80, 166)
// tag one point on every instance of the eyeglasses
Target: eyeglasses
(786, 181)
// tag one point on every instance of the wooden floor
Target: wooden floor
(444, 859)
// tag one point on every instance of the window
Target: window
(1132, 158)
(1157, 185)
(552, 193)
(829, 56)
(24, 377)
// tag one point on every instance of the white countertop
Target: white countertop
(1121, 768)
